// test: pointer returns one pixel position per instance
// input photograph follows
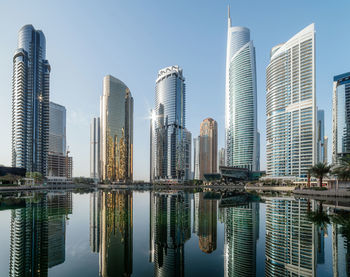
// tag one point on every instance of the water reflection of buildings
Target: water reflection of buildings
(289, 238)
(116, 229)
(207, 223)
(95, 208)
(241, 233)
(170, 221)
(38, 234)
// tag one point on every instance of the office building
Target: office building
(30, 101)
(95, 147)
(322, 140)
(117, 111)
(196, 158)
(221, 158)
(208, 147)
(169, 136)
(290, 106)
(341, 117)
(240, 99)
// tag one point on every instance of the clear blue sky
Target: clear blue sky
(132, 40)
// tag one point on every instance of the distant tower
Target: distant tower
(169, 136)
(196, 158)
(208, 147)
(321, 138)
(116, 131)
(30, 101)
(240, 99)
(95, 138)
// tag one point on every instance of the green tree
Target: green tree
(319, 217)
(37, 176)
(320, 170)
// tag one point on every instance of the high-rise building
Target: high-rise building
(240, 99)
(208, 147)
(117, 111)
(95, 147)
(341, 116)
(169, 135)
(290, 106)
(321, 139)
(196, 158)
(222, 158)
(290, 247)
(58, 164)
(30, 101)
(187, 152)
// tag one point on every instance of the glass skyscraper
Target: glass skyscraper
(291, 106)
(30, 101)
(341, 116)
(196, 158)
(208, 147)
(117, 109)
(240, 100)
(169, 138)
(322, 140)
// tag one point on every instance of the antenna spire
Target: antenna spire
(229, 16)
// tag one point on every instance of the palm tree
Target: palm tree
(342, 170)
(319, 217)
(320, 170)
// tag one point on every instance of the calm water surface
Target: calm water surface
(170, 233)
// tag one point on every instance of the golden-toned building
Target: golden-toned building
(208, 147)
(117, 107)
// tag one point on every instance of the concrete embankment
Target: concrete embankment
(43, 187)
(271, 188)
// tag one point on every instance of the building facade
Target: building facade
(290, 106)
(95, 148)
(196, 158)
(59, 164)
(169, 136)
(30, 101)
(341, 116)
(240, 100)
(322, 140)
(208, 147)
(117, 109)
(222, 158)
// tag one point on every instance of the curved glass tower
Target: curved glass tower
(290, 106)
(116, 131)
(30, 101)
(170, 141)
(240, 100)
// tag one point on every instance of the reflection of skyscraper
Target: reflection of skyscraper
(171, 228)
(340, 252)
(195, 212)
(95, 208)
(241, 234)
(207, 220)
(59, 205)
(116, 234)
(289, 238)
(29, 239)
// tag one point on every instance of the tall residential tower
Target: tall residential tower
(208, 147)
(290, 106)
(30, 101)
(240, 100)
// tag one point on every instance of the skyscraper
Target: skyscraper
(59, 164)
(208, 147)
(196, 158)
(321, 138)
(290, 106)
(341, 116)
(240, 99)
(116, 131)
(222, 158)
(30, 101)
(169, 136)
(95, 147)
